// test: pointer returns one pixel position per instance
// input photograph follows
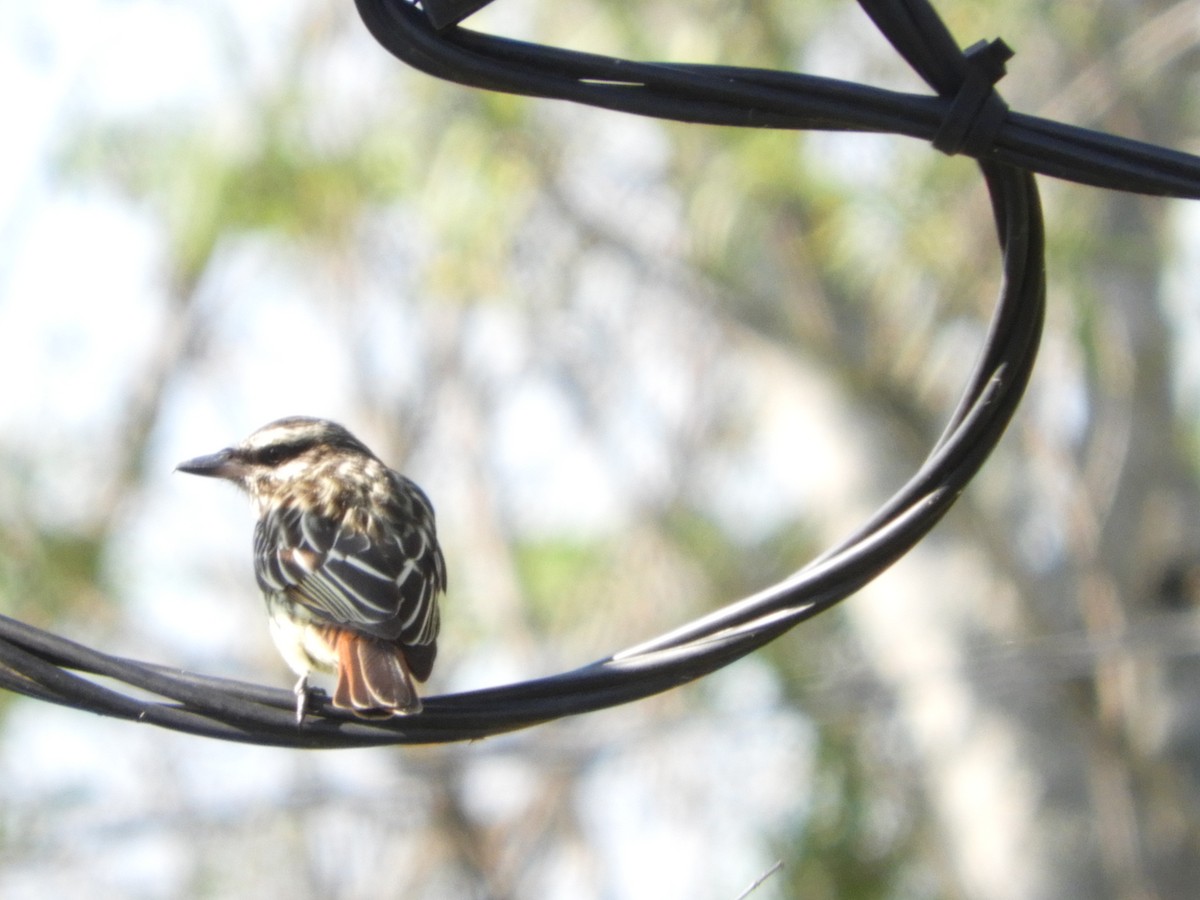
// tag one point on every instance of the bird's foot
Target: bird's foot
(301, 692)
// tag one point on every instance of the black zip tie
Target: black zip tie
(978, 111)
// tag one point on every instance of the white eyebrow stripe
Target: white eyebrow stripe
(281, 434)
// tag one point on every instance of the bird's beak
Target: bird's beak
(222, 464)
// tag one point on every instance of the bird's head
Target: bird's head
(281, 457)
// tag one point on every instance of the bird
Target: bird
(347, 558)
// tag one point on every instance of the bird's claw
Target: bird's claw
(301, 692)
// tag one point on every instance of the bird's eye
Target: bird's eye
(272, 456)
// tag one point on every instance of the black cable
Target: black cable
(727, 95)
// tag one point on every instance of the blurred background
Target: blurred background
(643, 370)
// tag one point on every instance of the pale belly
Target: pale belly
(301, 641)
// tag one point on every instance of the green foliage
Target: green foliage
(557, 576)
(46, 575)
(862, 834)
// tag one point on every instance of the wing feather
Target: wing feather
(386, 587)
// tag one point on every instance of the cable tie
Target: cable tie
(975, 116)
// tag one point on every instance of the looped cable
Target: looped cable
(1010, 145)
(978, 111)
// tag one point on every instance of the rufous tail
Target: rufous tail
(373, 678)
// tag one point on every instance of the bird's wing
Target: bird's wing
(386, 586)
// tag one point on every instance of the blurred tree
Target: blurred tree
(650, 368)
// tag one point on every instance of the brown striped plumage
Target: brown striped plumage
(346, 555)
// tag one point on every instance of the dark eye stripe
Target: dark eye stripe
(273, 454)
